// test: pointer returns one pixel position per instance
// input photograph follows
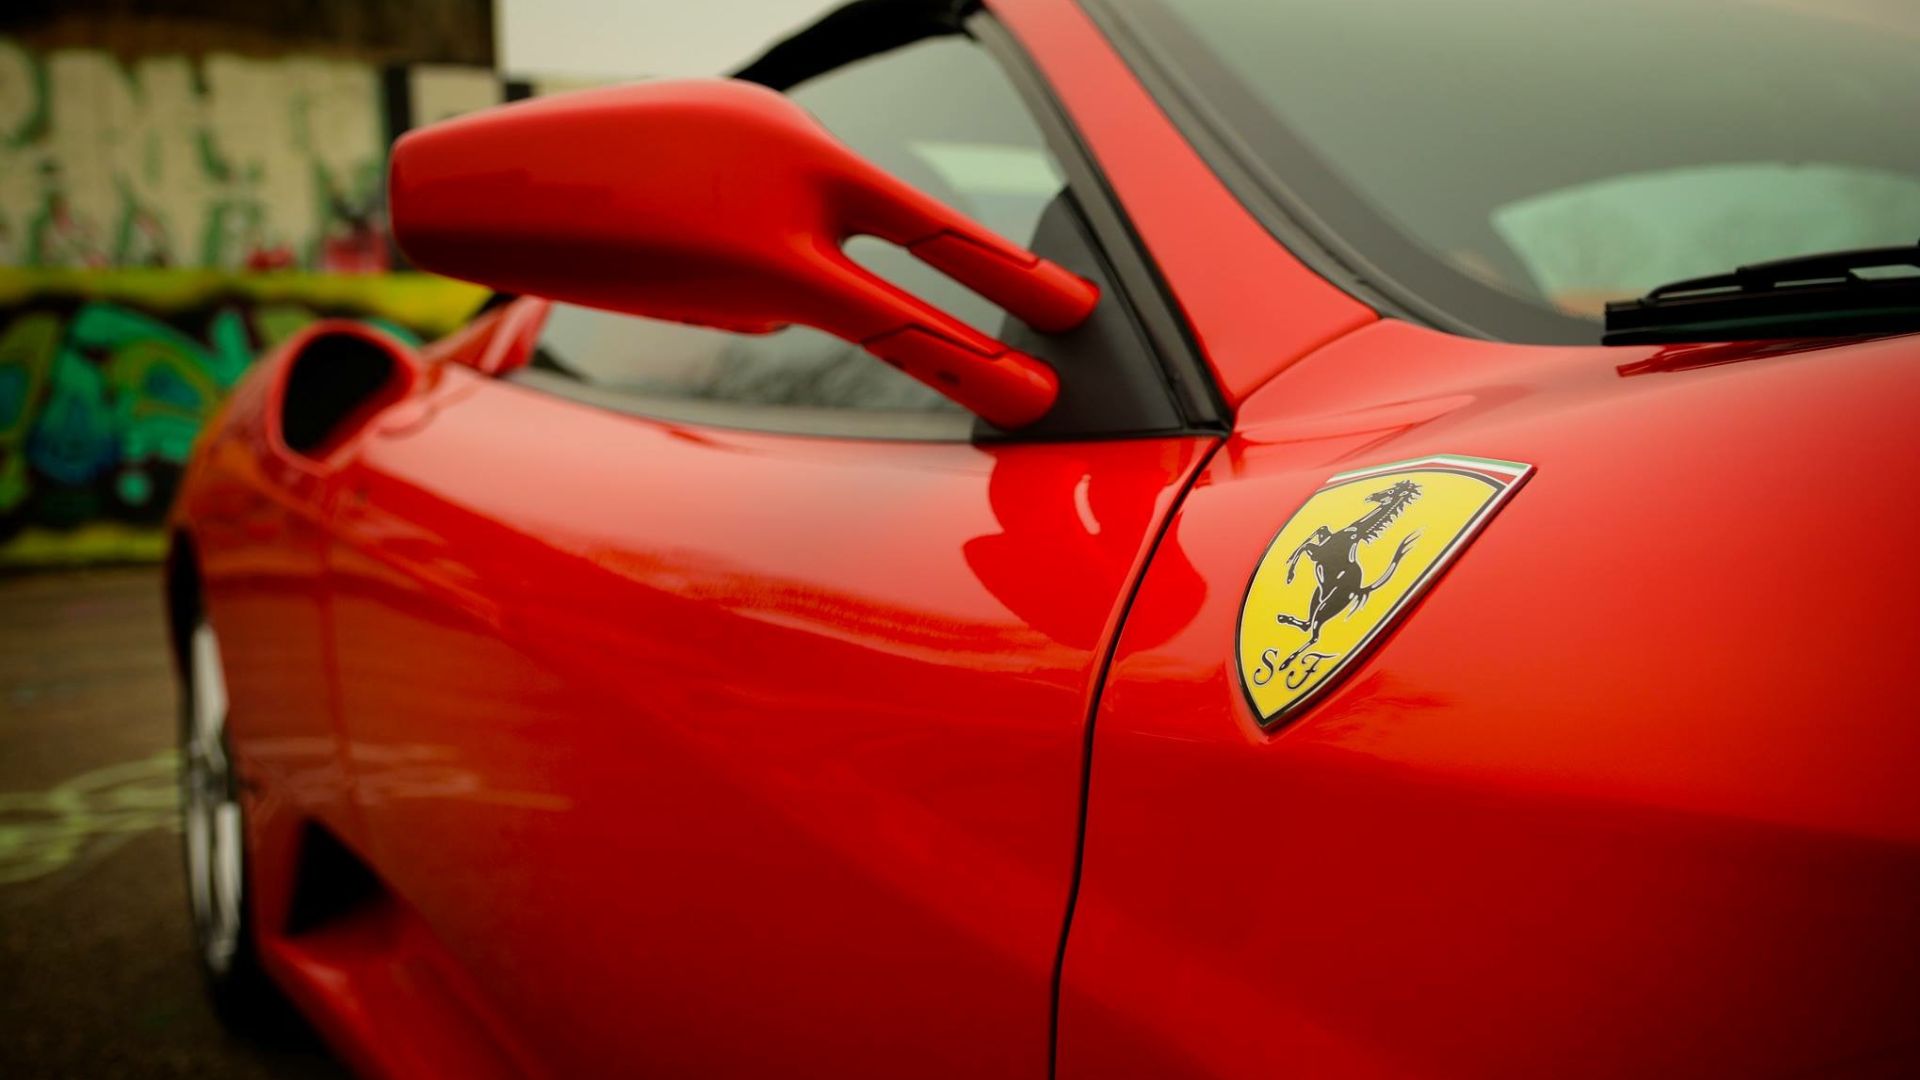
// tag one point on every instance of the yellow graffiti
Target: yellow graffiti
(94, 542)
(42, 832)
(426, 303)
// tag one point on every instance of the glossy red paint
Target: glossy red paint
(795, 763)
(498, 342)
(560, 716)
(724, 204)
(1628, 791)
(697, 751)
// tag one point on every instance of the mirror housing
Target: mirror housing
(724, 204)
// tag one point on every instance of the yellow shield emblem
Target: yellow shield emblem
(1352, 559)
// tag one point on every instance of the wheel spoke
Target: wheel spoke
(227, 878)
(209, 687)
(212, 822)
(199, 858)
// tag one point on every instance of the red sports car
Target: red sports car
(1175, 537)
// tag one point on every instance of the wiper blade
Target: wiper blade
(1810, 296)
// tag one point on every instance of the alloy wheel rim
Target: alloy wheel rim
(210, 809)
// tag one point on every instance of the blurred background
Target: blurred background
(182, 185)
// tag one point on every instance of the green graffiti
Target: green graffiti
(163, 384)
(42, 832)
(229, 348)
(112, 327)
(26, 358)
(99, 409)
(73, 441)
(107, 379)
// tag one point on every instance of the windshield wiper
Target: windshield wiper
(1811, 296)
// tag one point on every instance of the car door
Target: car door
(258, 557)
(720, 703)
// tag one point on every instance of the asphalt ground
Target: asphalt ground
(97, 973)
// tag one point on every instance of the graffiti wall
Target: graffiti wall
(106, 377)
(226, 161)
(162, 220)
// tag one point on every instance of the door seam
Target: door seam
(1136, 579)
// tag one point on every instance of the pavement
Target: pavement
(97, 974)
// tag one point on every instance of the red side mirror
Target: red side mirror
(724, 204)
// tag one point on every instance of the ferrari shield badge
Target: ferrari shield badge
(1349, 561)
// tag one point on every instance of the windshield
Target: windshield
(1512, 165)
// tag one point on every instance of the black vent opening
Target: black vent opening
(331, 884)
(336, 384)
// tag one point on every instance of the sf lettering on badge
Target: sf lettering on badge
(1349, 561)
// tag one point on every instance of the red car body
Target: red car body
(683, 750)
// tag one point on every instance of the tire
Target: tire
(214, 843)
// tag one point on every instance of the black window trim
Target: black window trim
(1143, 289)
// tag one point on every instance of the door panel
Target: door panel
(729, 752)
(1596, 805)
(260, 538)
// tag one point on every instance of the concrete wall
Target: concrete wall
(228, 162)
(222, 161)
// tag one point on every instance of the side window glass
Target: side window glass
(940, 115)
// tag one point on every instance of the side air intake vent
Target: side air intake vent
(337, 382)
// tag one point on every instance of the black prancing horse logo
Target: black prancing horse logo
(1336, 565)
